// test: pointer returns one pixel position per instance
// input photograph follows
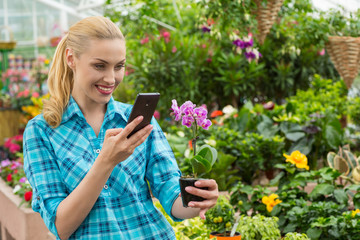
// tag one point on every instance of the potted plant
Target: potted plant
(202, 160)
(220, 220)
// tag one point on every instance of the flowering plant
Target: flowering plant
(194, 117)
(271, 201)
(13, 174)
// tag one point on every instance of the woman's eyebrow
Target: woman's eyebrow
(102, 60)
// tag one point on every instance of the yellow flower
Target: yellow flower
(297, 158)
(46, 61)
(353, 213)
(271, 201)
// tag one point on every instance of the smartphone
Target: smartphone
(145, 104)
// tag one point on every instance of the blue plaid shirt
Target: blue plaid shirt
(56, 160)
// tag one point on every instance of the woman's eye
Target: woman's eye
(118, 67)
(99, 66)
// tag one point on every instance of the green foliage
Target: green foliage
(188, 229)
(354, 109)
(220, 218)
(295, 236)
(320, 213)
(258, 227)
(253, 152)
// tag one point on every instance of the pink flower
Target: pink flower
(166, 34)
(14, 148)
(22, 180)
(144, 40)
(322, 52)
(209, 60)
(35, 94)
(174, 49)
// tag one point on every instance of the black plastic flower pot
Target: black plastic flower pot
(188, 197)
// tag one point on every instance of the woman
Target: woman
(89, 180)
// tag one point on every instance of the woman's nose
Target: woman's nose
(110, 77)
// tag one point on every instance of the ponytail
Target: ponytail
(60, 84)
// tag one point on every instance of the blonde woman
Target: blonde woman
(89, 180)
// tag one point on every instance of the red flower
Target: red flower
(216, 113)
(9, 178)
(156, 115)
(28, 196)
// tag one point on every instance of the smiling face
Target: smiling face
(97, 71)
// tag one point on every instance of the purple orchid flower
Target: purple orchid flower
(176, 110)
(187, 120)
(206, 123)
(187, 108)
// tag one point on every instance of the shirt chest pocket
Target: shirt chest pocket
(73, 170)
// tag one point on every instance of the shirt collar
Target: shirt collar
(112, 109)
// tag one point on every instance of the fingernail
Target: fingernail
(198, 184)
(139, 118)
(191, 204)
(188, 189)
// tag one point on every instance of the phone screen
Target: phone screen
(145, 105)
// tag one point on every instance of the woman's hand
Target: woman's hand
(117, 147)
(211, 195)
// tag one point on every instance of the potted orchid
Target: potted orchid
(202, 161)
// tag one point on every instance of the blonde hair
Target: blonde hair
(61, 79)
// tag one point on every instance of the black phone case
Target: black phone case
(145, 104)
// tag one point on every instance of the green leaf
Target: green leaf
(322, 189)
(209, 153)
(200, 165)
(333, 134)
(341, 196)
(314, 233)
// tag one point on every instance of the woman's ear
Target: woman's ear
(70, 59)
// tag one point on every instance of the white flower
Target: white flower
(247, 16)
(256, 52)
(16, 188)
(187, 153)
(229, 109)
(211, 142)
(180, 134)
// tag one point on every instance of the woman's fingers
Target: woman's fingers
(131, 126)
(112, 132)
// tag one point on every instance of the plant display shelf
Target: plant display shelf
(19, 223)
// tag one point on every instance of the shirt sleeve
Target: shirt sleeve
(162, 170)
(43, 173)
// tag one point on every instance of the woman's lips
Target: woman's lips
(104, 89)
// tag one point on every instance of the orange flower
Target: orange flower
(216, 113)
(271, 201)
(297, 158)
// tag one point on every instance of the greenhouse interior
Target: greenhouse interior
(250, 124)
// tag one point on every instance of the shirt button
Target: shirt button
(97, 151)
(38, 198)
(106, 187)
